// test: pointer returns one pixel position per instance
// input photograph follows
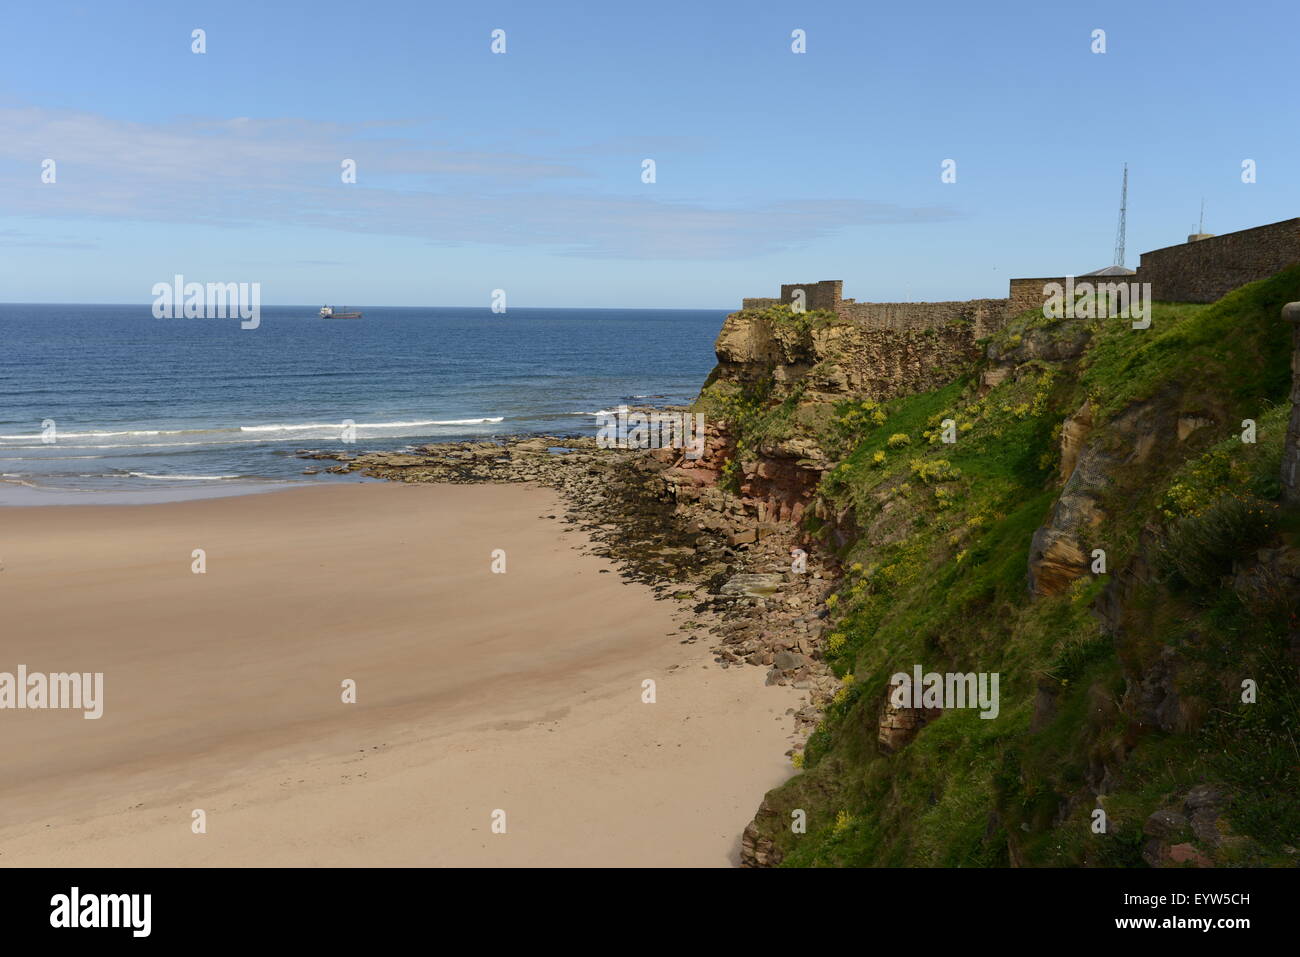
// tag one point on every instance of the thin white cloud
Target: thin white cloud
(241, 172)
(18, 238)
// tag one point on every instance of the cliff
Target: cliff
(790, 386)
(1091, 512)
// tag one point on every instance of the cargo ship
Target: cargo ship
(328, 312)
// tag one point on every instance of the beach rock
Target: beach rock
(752, 585)
(389, 460)
(789, 661)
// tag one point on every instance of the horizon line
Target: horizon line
(295, 305)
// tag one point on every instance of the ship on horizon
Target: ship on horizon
(327, 312)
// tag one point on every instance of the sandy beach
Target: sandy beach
(476, 692)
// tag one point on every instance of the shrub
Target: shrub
(898, 440)
(936, 470)
(1198, 549)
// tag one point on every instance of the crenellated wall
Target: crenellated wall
(983, 315)
(817, 295)
(1196, 271)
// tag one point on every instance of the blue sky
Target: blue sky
(522, 171)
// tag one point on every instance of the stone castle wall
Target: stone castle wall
(1025, 294)
(1209, 269)
(984, 316)
(1200, 271)
(817, 295)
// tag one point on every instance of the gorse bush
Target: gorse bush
(1198, 549)
(934, 470)
(1231, 467)
(853, 421)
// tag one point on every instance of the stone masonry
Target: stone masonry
(1196, 271)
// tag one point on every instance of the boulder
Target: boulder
(1164, 824)
(788, 661)
(752, 585)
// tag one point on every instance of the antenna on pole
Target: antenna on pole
(1123, 220)
(1200, 233)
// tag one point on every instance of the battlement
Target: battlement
(826, 294)
(1203, 269)
(984, 315)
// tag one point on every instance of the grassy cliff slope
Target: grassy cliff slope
(1100, 535)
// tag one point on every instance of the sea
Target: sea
(108, 403)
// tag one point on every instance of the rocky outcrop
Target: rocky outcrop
(775, 484)
(1173, 834)
(1074, 433)
(1061, 550)
(815, 358)
(782, 479)
(832, 356)
(1060, 342)
(1152, 697)
(896, 726)
(756, 849)
(1057, 553)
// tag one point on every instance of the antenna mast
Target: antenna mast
(1123, 220)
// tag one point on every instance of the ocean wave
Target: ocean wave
(96, 435)
(270, 429)
(366, 425)
(182, 478)
(274, 427)
(467, 421)
(124, 446)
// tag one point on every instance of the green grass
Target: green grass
(937, 576)
(1237, 348)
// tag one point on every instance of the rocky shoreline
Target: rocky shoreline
(665, 521)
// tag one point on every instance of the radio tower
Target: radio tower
(1123, 220)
